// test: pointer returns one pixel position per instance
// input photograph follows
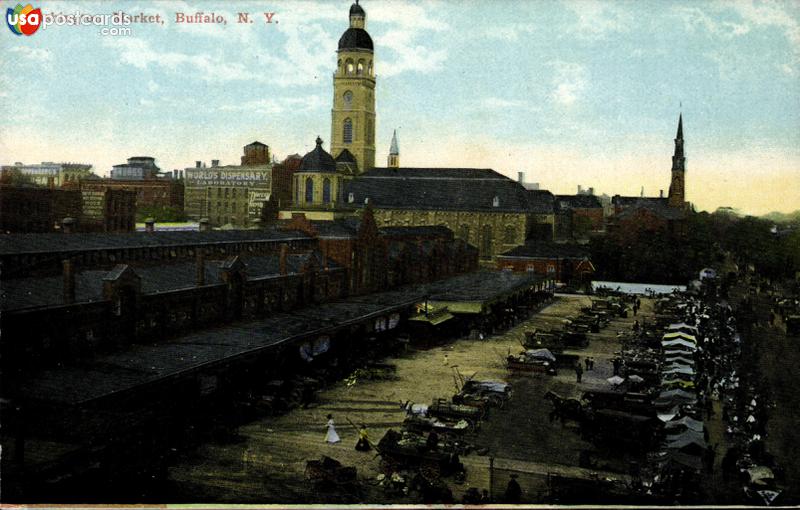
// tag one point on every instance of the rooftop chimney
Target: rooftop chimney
(174, 174)
(68, 274)
(591, 191)
(68, 225)
(149, 225)
(520, 177)
(579, 189)
(200, 266)
(214, 162)
(198, 164)
(283, 256)
(661, 193)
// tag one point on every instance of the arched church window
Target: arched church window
(351, 197)
(348, 99)
(510, 235)
(360, 69)
(349, 65)
(309, 190)
(347, 132)
(370, 68)
(486, 242)
(326, 191)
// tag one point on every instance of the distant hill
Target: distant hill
(779, 217)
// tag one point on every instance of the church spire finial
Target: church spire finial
(679, 136)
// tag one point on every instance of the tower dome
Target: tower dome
(318, 160)
(355, 39)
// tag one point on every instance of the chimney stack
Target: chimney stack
(200, 266)
(214, 162)
(520, 177)
(579, 189)
(180, 174)
(174, 174)
(68, 273)
(149, 225)
(205, 226)
(283, 256)
(591, 191)
(68, 225)
(198, 164)
(661, 193)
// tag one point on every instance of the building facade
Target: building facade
(49, 174)
(353, 113)
(234, 194)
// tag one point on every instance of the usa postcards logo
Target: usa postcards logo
(23, 20)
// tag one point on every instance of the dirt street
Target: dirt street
(267, 464)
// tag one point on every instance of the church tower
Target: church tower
(353, 114)
(394, 153)
(677, 185)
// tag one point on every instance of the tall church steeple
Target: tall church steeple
(677, 184)
(394, 153)
(353, 113)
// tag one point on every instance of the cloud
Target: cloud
(569, 81)
(597, 19)
(499, 103)
(407, 55)
(278, 105)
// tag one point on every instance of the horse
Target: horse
(564, 408)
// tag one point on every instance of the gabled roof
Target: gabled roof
(453, 189)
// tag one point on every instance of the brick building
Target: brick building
(38, 210)
(565, 262)
(235, 194)
(578, 215)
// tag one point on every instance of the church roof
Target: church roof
(394, 149)
(318, 160)
(444, 189)
(345, 157)
(355, 39)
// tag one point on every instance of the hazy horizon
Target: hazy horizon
(571, 93)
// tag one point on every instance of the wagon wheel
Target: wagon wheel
(496, 401)
(430, 469)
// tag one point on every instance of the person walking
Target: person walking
(331, 436)
(363, 439)
(588, 362)
(513, 490)
(578, 371)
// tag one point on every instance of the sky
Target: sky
(569, 92)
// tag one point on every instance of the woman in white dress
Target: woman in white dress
(331, 437)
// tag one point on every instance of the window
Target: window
(309, 190)
(360, 68)
(370, 68)
(486, 244)
(349, 66)
(347, 136)
(368, 136)
(510, 235)
(496, 202)
(351, 198)
(348, 99)
(326, 191)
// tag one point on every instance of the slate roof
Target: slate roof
(538, 249)
(541, 201)
(30, 292)
(578, 202)
(444, 189)
(433, 230)
(658, 206)
(12, 244)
